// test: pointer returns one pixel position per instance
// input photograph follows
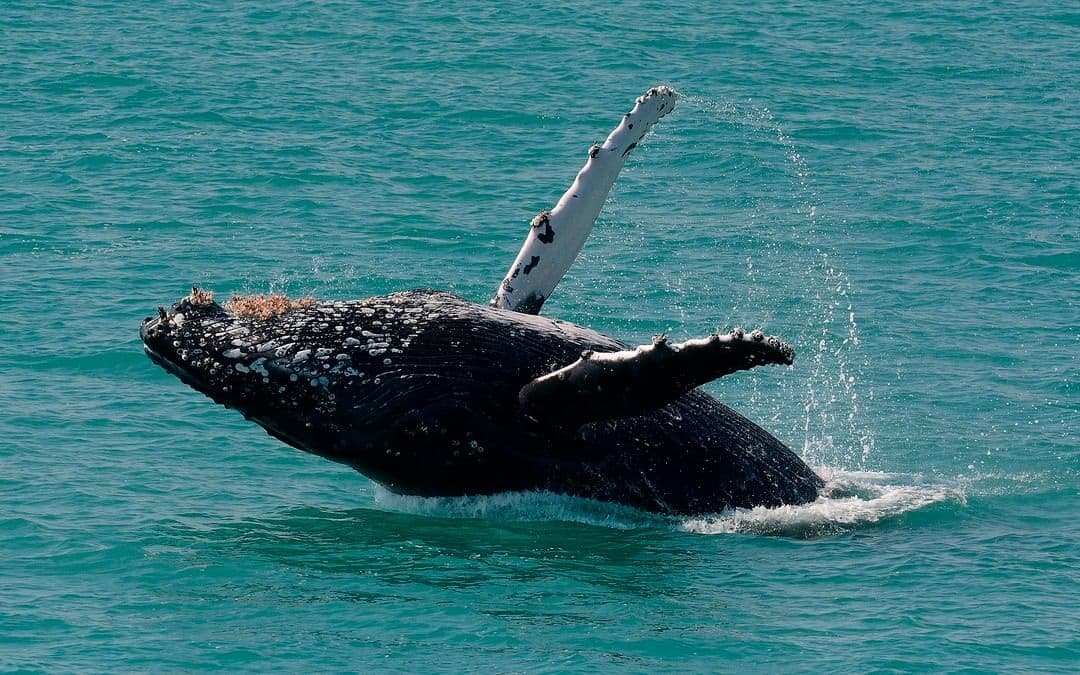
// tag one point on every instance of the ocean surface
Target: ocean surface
(895, 191)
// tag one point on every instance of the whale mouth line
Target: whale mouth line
(168, 364)
(186, 376)
(192, 380)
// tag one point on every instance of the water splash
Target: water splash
(849, 501)
(522, 507)
(791, 276)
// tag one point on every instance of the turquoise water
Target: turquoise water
(893, 191)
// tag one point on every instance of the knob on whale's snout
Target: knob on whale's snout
(160, 331)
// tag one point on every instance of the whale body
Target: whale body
(431, 395)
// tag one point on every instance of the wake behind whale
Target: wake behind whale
(849, 501)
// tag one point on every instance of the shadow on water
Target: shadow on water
(444, 551)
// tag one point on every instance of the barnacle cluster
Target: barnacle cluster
(265, 306)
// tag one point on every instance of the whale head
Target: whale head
(375, 384)
(287, 365)
(212, 349)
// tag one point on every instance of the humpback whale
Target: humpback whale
(429, 394)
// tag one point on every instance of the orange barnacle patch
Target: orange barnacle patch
(201, 297)
(265, 306)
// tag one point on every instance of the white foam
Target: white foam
(523, 507)
(850, 499)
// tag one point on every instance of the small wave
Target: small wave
(850, 499)
(523, 507)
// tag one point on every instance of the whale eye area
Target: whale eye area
(265, 306)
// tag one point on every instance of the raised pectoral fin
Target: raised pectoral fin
(555, 237)
(627, 383)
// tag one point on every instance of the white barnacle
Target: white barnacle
(283, 349)
(258, 365)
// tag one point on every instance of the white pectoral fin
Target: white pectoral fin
(555, 237)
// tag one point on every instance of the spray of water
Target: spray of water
(851, 500)
(792, 276)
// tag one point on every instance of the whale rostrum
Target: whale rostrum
(430, 394)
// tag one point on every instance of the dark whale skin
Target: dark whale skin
(418, 390)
